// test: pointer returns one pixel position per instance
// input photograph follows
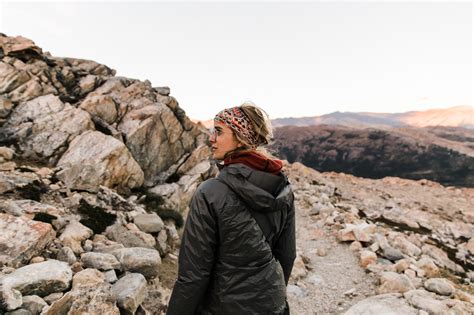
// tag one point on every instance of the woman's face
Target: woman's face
(222, 141)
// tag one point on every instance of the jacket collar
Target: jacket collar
(261, 191)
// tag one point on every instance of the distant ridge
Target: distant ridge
(457, 116)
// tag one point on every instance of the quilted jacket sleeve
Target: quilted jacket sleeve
(285, 248)
(196, 258)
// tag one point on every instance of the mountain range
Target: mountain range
(458, 116)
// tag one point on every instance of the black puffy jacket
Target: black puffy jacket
(226, 265)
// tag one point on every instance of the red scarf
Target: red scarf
(255, 160)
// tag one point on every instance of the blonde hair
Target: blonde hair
(261, 126)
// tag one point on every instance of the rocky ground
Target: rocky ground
(389, 246)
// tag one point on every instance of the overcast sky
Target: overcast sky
(292, 59)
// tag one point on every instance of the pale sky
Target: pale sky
(292, 59)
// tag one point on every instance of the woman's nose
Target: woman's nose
(212, 138)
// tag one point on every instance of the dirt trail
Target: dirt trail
(336, 281)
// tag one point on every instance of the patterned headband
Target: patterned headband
(235, 119)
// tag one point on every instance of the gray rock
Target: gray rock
(101, 261)
(34, 304)
(130, 238)
(392, 254)
(95, 159)
(110, 276)
(21, 239)
(386, 304)
(137, 259)
(73, 236)
(149, 222)
(440, 286)
(40, 279)
(67, 255)
(130, 292)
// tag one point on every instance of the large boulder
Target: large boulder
(95, 159)
(45, 126)
(39, 279)
(387, 304)
(21, 239)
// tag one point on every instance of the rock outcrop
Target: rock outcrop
(85, 226)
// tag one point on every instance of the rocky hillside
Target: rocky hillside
(458, 116)
(441, 154)
(96, 173)
(386, 246)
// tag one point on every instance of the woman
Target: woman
(238, 244)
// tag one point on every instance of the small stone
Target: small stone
(355, 246)
(392, 282)
(392, 254)
(53, 297)
(76, 267)
(321, 251)
(101, 261)
(67, 255)
(110, 276)
(6, 153)
(74, 234)
(350, 292)
(36, 259)
(367, 258)
(88, 246)
(44, 172)
(428, 266)
(401, 265)
(440, 286)
(149, 222)
(34, 304)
